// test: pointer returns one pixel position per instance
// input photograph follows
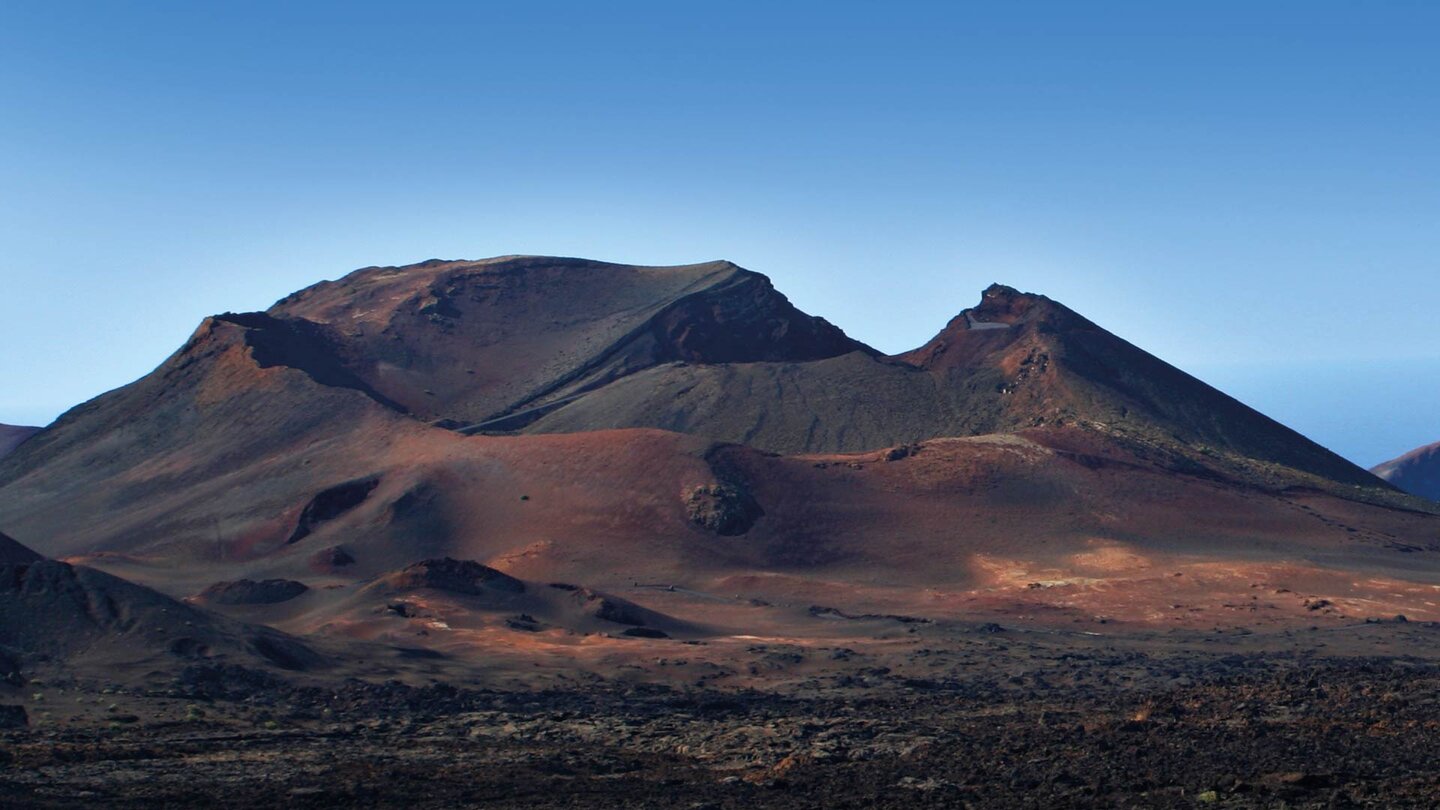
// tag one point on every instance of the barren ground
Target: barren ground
(981, 715)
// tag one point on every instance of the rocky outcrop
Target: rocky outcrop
(1003, 316)
(745, 320)
(455, 576)
(329, 560)
(331, 503)
(610, 608)
(723, 508)
(312, 348)
(251, 592)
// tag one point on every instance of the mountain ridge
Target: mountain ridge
(1017, 360)
(539, 309)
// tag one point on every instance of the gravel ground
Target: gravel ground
(1198, 730)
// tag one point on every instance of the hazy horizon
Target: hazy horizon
(1247, 192)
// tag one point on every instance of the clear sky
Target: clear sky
(1250, 190)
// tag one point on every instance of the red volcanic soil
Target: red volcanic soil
(549, 532)
(1417, 472)
(624, 428)
(1056, 528)
(12, 435)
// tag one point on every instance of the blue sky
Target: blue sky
(1248, 190)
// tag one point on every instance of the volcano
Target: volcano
(685, 441)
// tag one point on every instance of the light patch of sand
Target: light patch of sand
(1109, 557)
(517, 558)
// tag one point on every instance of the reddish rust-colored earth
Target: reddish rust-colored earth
(530, 473)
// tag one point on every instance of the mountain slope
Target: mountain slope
(1016, 361)
(12, 435)
(135, 465)
(1417, 472)
(1063, 521)
(472, 341)
(91, 620)
(299, 444)
(545, 345)
(221, 449)
(266, 399)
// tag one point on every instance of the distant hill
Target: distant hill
(1417, 472)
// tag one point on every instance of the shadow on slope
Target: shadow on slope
(95, 622)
